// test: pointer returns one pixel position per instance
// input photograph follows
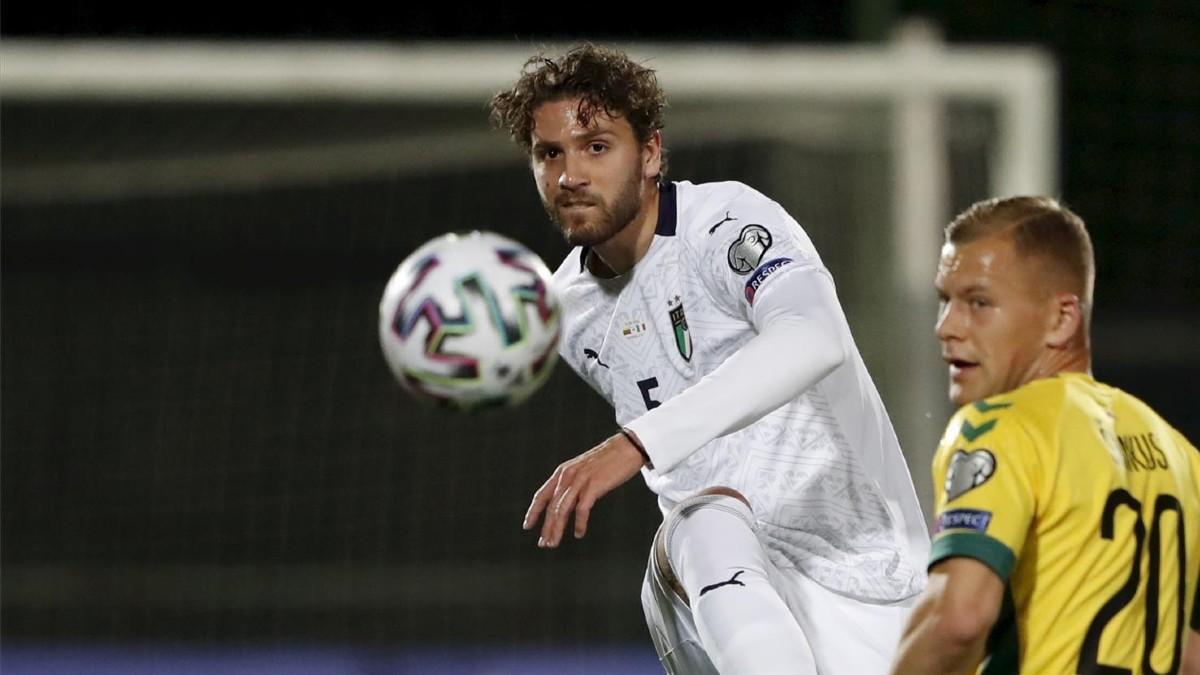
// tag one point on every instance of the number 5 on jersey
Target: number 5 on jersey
(646, 385)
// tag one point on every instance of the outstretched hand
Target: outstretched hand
(576, 484)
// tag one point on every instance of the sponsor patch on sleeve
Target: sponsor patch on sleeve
(964, 519)
(761, 274)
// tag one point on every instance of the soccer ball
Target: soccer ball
(470, 321)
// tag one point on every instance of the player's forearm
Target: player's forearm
(793, 352)
(929, 647)
(948, 629)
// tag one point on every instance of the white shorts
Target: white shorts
(847, 636)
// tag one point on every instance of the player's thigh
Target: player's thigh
(671, 626)
(846, 635)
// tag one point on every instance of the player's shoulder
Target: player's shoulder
(706, 208)
(1080, 391)
(572, 262)
(570, 267)
(1045, 395)
(1024, 414)
(570, 281)
(1128, 405)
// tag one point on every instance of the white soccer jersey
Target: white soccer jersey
(824, 472)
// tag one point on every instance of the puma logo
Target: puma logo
(727, 219)
(591, 354)
(732, 582)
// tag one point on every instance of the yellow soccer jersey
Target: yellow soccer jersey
(1087, 504)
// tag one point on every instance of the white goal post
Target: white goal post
(915, 75)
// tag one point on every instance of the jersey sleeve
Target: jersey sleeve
(1194, 456)
(985, 477)
(798, 343)
(754, 245)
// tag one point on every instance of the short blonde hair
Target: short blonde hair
(1038, 226)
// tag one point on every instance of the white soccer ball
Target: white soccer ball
(470, 320)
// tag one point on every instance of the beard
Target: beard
(604, 219)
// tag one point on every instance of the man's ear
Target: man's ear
(652, 156)
(1066, 321)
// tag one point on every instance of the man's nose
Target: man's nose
(574, 175)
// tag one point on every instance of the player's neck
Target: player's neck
(1053, 362)
(624, 249)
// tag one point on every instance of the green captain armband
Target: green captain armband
(980, 547)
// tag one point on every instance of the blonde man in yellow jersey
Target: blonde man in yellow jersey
(1067, 536)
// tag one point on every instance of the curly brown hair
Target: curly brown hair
(604, 79)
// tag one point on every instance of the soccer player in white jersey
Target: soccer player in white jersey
(792, 541)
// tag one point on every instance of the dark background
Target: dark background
(200, 441)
